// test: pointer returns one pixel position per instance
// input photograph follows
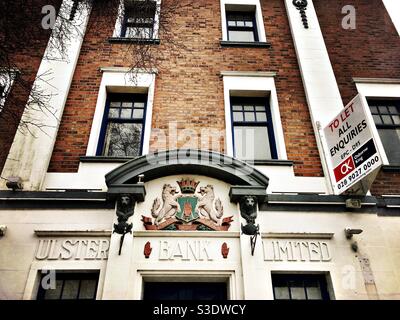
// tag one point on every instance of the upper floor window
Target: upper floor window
(139, 18)
(242, 23)
(69, 286)
(241, 26)
(300, 287)
(253, 133)
(123, 126)
(386, 114)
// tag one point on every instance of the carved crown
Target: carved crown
(188, 185)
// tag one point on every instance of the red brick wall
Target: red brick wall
(189, 89)
(26, 57)
(372, 50)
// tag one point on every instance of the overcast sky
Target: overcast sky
(393, 6)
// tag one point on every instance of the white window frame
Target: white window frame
(259, 17)
(377, 88)
(327, 271)
(34, 275)
(121, 16)
(260, 82)
(7, 78)
(118, 80)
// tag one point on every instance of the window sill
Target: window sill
(391, 168)
(271, 162)
(133, 40)
(245, 44)
(104, 159)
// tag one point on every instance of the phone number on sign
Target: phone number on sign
(361, 171)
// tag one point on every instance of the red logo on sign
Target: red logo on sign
(345, 168)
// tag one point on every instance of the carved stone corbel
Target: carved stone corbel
(248, 198)
(74, 9)
(301, 5)
(125, 210)
(248, 211)
(126, 197)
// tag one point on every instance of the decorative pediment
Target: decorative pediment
(186, 162)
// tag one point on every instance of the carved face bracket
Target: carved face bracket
(248, 211)
(248, 198)
(301, 5)
(74, 9)
(125, 210)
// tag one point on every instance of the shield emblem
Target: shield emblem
(187, 211)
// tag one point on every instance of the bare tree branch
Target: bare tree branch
(21, 23)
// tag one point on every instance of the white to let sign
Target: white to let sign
(351, 150)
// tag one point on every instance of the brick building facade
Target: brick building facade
(189, 90)
(370, 57)
(135, 162)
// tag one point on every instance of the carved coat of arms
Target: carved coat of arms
(187, 209)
